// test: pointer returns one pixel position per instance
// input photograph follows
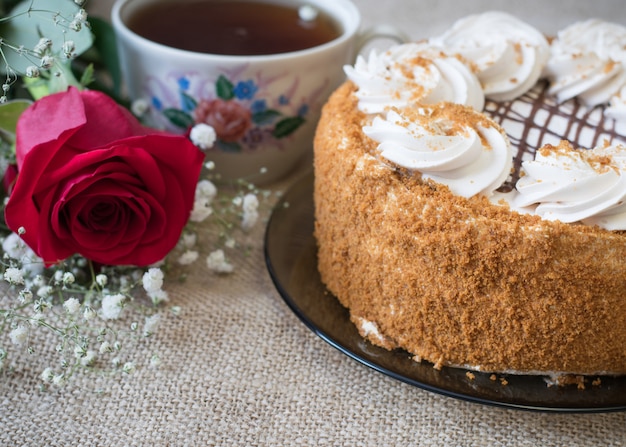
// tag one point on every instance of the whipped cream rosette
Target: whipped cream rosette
(413, 73)
(448, 143)
(507, 54)
(573, 185)
(588, 62)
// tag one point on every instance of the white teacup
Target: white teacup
(269, 104)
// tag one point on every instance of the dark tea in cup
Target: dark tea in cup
(239, 27)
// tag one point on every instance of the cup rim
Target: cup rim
(349, 31)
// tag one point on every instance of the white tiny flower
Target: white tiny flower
(153, 280)
(14, 275)
(216, 261)
(189, 240)
(32, 72)
(102, 280)
(206, 189)
(42, 46)
(71, 305)
(203, 136)
(80, 351)
(76, 25)
(238, 201)
(25, 295)
(188, 257)
(89, 313)
(151, 324)
(230, 243)
(140, 107)
(19, 335)
(201, 210)
(44, 291)
(158, 297)
(116, 361)
(106, 347)
(128, 368)
(47, 375)
(81, 15)
(112, 306)
(58, 380)
(210, 165)
(88, 358)
(69, 47)
(250, 214)
(47, 62)
(68, 278)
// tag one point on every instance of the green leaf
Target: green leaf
(10, 113)
(287, 126)
(265, 117)
(225, 89)
(179, 118)
(105, 45)
(32, 19)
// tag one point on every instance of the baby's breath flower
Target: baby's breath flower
(153, 280)
(210, 165)
(76, 25)
(102, 280)
(42, 46)
(201, 210)
(216, 261)
(71, 305)
(47, 62)
(250, 211)
(45, 291)
(68, 278)
(158, 297)
(88, 359)
(89, 313)
(81, 15)
(14, 276)
(47, 375)
(203, 136)
(106, 347)
(188, 257)
(206, 189)
(151, 324)
(58, 380)
(128, 368)
(139, 107)
(112, 306)
(189, 240)
(19, 335)
(69, 47)
(25, 295)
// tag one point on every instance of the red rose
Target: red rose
(230, 119)
(92, 180)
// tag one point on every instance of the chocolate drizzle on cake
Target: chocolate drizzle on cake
(536, 119)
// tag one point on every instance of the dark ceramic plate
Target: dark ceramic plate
(291, 259)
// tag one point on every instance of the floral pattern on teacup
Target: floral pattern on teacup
(246, 113)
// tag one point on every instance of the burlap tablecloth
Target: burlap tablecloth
(239, 368)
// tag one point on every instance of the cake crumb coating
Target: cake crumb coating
(456, 281)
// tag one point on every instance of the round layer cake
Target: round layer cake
(451, 219)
